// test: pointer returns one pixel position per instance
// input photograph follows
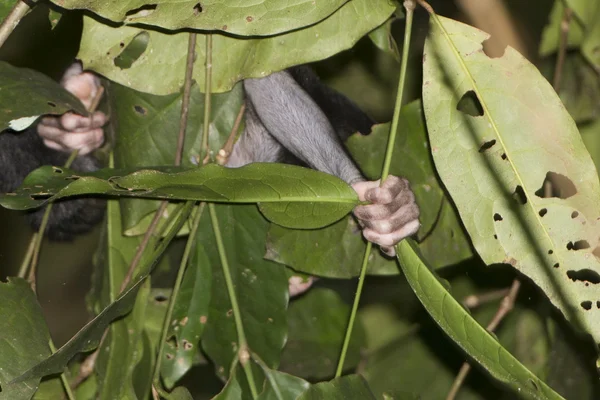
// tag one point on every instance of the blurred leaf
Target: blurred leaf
(316, 325)
(550, 41)
(495, 166)
(26, 94)
(251, 19)
(122, 349)
(233, 58)
(261, 289)
(5, 7)
(189, 318)
(590, 134)
(180, 393)
(25, 339)
(147, 126)
(591, 44)
(347, 387)
(88, 337)
(280, 385)
(584, 10)
(287, 195)
(158, 301)
(333, 252)
(384, 40)
(49, 389)
(465, 331)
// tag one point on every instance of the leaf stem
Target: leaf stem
(409, 5)
(12, 20)
(63, 376)
(243, 352)
(204, 151)
(185, 102)
(182, 267)
(565, 24)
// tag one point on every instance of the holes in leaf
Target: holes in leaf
(133, 51)
(550, 251)
(495, 236)
(578, 245)
(470, 104)
(160, 298)
(197, 9)
(556, 265)
(556, 185)
(187, 345)
(535, 386)
(596, 252)
(519, 195)
(51, 104)
(574, 214)
(57, 170)
(497, 217)
(504, 156)
(543, 212)
(487, 145)
(586, 305)
(140, 110)
(141, 12)
(493, 48)
(598, 304)
(584, 275)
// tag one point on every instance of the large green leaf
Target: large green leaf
(344, 388)
(122, 349)
(550, 41)
(316, 325)
(465, 331)
(26, 94)
(248, 19)
(279, 385)
(496, 158)
(288, 195)
(24, 339)
(147, 136)
(89, 336)
(591, 44)
(157, 54)
(261, 289)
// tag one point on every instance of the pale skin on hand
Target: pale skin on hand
(393, 214)
(72, 131)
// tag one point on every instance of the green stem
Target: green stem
(204, 152)
(63, 376)
(243, 352)
(182, 267)
(409, 5)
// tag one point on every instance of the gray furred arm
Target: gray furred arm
(295, 120)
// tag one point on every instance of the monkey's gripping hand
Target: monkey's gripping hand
(393, 214)
(71, 131)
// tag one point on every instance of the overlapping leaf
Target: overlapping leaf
(247, 19)
(498, 161)
(163, 55)
(26, 94)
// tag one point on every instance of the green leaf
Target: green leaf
(279, 385)
(550, 41)
(25, 338)
(247, 19)
(347, 387)
(384, 40)
(26, 94)
(288, 195)
(591, 137)
(147, 124)
(495, 165)
(466, 331)
(233, 58)
(88, 337)
(316, 325)
(189, 318)
(591, 44)
(180, 393)
(122, 349)
(261, 289)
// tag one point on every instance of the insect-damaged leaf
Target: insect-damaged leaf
(233, 58)
(522, 180)
(287, 195)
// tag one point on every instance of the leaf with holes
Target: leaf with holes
(26, 94)
(134, 56)
(288, 195)
(231, 16)
(514, 164)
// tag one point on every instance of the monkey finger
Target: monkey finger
(78, 123)
(84, 86)
(50, 120)
(393, 238)
(361, 188)
(385, 211)
(388, 191)
(401, 217)
(85, 142)
(388, 251)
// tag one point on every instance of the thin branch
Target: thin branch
(474, 301)
(185, 104)
(12, 20)
(204, 151)
(225, 152)
(565, 24)
(409, 5)
(506, 306)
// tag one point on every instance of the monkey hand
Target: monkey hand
(71, 131)
(393, 214)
